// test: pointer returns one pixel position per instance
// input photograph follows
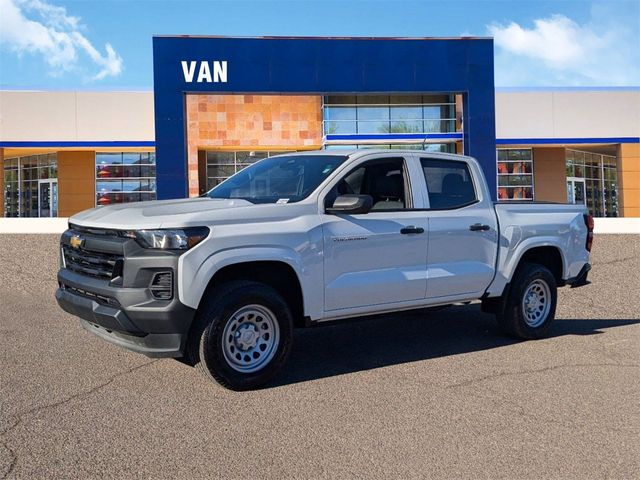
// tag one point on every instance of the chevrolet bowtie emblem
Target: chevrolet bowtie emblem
(76, 241)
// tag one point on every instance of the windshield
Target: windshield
(282, 179)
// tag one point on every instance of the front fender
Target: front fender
(195, 273)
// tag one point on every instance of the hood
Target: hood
(155, 214)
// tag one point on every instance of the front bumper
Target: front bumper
(150, 331)
(123, 310)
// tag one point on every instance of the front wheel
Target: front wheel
(245, 335)
(531, 303)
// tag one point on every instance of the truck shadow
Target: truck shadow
(382, 341)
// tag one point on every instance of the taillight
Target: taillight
(588, 221)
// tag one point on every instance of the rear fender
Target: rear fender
(509, 260)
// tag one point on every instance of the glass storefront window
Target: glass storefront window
(123, 177)
(405, 113)
(515, 174)
(428, 147)
(600, 177)
(23, 177)
(380, 114)
(222, 165)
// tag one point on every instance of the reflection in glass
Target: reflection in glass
(123, 176)
(375, 114)
(515, 174)
(222, 165)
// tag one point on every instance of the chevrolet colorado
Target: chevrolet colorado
(305, 238)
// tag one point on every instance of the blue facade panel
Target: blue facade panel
(321, 66)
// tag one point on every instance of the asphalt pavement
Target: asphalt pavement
(423, 395)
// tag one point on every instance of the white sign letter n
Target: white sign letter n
(220, 71)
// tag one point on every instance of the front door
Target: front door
(576, 190)
(378, 257)
(48, 198)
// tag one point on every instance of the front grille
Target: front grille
(93, 264)
(102, 299)
(105, 232)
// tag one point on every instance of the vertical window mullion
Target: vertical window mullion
(604, 200)
(19, 188)
(357, 117)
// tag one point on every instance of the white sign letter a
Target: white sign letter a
(205, 73)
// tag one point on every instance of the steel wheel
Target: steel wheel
(536, 303)
(250, 338)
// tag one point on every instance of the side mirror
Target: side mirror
(351, 204)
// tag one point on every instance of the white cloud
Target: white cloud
(556, 50)
(38, 27)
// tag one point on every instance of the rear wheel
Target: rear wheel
(530, 306)
(244, 335)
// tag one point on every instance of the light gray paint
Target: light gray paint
(129, 116)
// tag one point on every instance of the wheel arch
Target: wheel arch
(544, 251)
(549, 256)
(278, 274)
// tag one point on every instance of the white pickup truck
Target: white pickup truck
(305, 238)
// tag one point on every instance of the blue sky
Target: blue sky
(106, 44)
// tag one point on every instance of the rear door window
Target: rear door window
(449, 183)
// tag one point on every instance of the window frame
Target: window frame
(28, 174)
(408, 191)
(360, 103)
(472, 176)
(507, 175)
(153, 194)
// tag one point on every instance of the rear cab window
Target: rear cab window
(449, 183)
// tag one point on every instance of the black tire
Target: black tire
(206, 349)
(514, 321)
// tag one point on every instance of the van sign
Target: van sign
(207, 72)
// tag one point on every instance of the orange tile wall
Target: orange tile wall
(250, 122)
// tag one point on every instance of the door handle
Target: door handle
(479, 227)
(411, 229)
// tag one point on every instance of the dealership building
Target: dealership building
(220, 104)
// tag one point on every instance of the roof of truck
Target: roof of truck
(385, 151)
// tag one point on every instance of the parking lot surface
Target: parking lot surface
(416, 395)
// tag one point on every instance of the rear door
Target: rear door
(462, 230)
(380, 257)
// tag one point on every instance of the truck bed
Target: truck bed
(521, 223)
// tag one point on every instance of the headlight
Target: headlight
(169, 239)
